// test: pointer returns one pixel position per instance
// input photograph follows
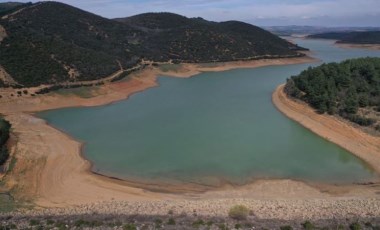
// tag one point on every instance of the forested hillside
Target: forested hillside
(365, 37)
(199, 40)
(47, 41)
(10, 7)
(51, 43)
(4, 136)
(350, 89)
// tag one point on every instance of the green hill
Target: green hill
(52, 43)
(350, 89)
(197, 40)
(365, 37)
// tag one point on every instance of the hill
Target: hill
(365, 37)
(199, 40)
(350, 89)
(52, 43)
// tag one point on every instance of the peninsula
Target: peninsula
(340, 102)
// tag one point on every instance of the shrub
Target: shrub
(171, 221)
(308, 225)
(80, 223)
(198, 223)
(158, 223)
(238, 212)
(286, 227)
(49, 221)
(355, 226)
(209, 223)
(222, 227)
(129, 227)
(34, 222)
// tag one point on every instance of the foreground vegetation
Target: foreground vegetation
(170, 221)
(350, 89)
(50, 42)
(4, 136)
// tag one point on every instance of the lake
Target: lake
(213, 128)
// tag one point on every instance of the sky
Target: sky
(258, 12)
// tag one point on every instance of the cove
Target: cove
(211, 129)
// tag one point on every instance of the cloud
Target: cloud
(314, 12)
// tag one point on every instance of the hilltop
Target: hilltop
(52, 43)
(8, 7)
(357, 37)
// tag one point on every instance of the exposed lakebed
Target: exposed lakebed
(212, 128)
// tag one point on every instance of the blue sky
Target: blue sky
(259, 12)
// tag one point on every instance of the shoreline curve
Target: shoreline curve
(331, 128)
(51, 172)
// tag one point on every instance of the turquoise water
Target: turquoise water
(211, 128)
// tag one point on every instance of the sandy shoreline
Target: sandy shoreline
(344, 45)
(359, 46)
(363, 145)
(140, 80)
(49, 164)
(50, 171)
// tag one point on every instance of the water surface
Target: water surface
(212, 128)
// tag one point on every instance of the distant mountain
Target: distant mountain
(307, 30)
(51, 43)
(366, 37)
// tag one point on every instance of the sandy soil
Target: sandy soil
(50, 171)
(363, 145)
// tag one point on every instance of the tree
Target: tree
(351, 103)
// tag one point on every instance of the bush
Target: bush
(238, 212)
(198, 223)
(360, 120)
(222, 227)
(34, 222)
(209, 223)
(49, 222)
(308, 225)
(158, 223)
(80, 223)
(355, 226)
(287, 227)
(171, 221)
(129, 227)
